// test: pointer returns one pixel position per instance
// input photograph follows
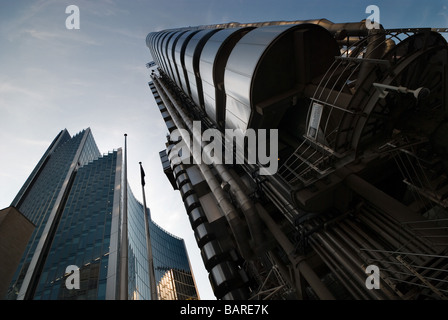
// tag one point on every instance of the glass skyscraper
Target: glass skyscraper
(75, 197)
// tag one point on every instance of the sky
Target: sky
(52, 78)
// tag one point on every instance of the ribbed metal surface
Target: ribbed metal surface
(212, 65)
(317, 82)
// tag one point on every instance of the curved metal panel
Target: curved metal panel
(148, 39)
(178, 170)
(203, 234)
(156, 48)
(150, 43)
(191, 202)
(163, 59)
(240, 70)
(192, 56)
(212, 64)
(170, 51)
(179, 55)
(223, 277)
(166, 54)
(197, 216)
(211, 254)
(269, 63)
(153, 48)
(182, 178)
(186, 190)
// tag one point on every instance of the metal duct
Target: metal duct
(245, 203)
(202, 233)
(192, 56)
(301, 267)
(212, 66)
(196, 217)
(259, 74)
(211, 254)
(225, 278)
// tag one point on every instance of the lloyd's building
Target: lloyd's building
(91, 238)
(357, 205)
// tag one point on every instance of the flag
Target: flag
(142, 174)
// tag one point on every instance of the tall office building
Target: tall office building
(91, 234)
(347, 196)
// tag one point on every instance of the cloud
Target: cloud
(41, 35)
(102, 8)
(9, 88)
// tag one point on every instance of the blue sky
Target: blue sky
(53, 78)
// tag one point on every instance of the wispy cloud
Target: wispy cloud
(41, 35)
(8, 88)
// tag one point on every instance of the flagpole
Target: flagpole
(152, 280)
(124, 231)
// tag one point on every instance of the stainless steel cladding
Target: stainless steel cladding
(203, 233)
(166, 53)
(224, 276)
(170, 52)
(231, 73)
(240, 70)
(267, 65)
(192, 55)
(211, 252)
(179, 56)
(212, 66)
(159, 53)
(197, 216)
(362, 177)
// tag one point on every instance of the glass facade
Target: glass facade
(83, 235)
(138, 286)
(74, 196)
(176, 285)
(170, 259)
(42, 193)
(173, 275)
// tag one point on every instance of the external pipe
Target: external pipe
(340, 249)
(388, 205)
(326, 241)
(365, 241)
(401, 238)
(230, 213)
(335, 267)
(245, 203)
(412, 241)
(354, 245)
(301, 267)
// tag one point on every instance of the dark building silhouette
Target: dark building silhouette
(362, 156)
